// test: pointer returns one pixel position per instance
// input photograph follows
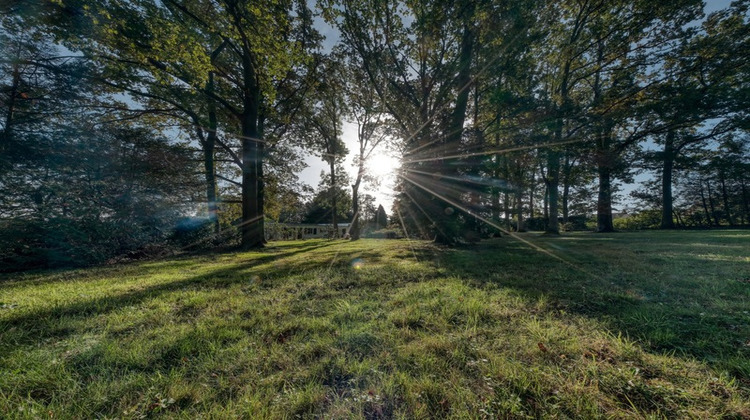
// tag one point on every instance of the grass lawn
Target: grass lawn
(651, 324)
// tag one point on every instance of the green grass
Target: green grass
(632, 325)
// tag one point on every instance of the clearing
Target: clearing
(648, 324)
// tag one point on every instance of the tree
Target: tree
(231, 52)
(417, 56)
(703, 96)
(381, 218)
(367, 113)
(324, 203)
(322, 126)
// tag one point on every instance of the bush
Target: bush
(59, 242)
(383, 234)
(576, 223)
(192, 231)
(647, 219)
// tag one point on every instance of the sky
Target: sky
(382, 162)
(385, 163)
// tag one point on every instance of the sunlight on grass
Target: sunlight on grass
(365, 330)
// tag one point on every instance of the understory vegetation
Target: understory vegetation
(390, 329)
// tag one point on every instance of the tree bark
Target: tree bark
(567, 169)
(209, 147)
(355, 229)
(545, 204)
(506, 209)
(252, 213)
(553, 182)
(746, 203)
(532, 190)
(604, 222)
(711, 203)
(458, 116)
(8, 129)
(519, 211)
(725, 197)
(334, 207)
(667, 222)
(705, 206)
(605, 162)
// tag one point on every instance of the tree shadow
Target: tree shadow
(666, 311)
(39, 324)
(150, 266)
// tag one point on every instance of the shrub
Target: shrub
(647, 219)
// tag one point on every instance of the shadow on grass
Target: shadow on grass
(38, 325)
(148, 267)
(663, 294)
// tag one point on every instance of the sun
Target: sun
(382, 165)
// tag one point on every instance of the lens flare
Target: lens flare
(357, 263)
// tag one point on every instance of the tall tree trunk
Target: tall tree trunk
(567, 169)
(711, 203)
(506, 209)
(355, 230)
(725, 197)
(334, 206)
(519, 211)
(252, 213)
(746, 203)
(261, 178)
(605, 162)
(209, 162)
(666, 182)
(7, 132)
(705, 206)
(458, 116)
(532, 190)
(545, 205)
(605, 158)
(604, 222)
(553, 182)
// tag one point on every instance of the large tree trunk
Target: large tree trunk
(567, 169)
(553, 182)
(545, 204)
(11, 104)
(355, 229)
(711, 203)
(604, 222)
(458, 116)
(519, 211)
(506, 210)
(334, 206)
(605, 162)
(252, 213)
(725, 198)
(532, 190)
(745, 203)
(667, 221)
(261, 179)
(705, 206)
(210, 176)
(209, 163)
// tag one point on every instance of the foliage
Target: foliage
(646, 219)
(320, 208)
(95, 195)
